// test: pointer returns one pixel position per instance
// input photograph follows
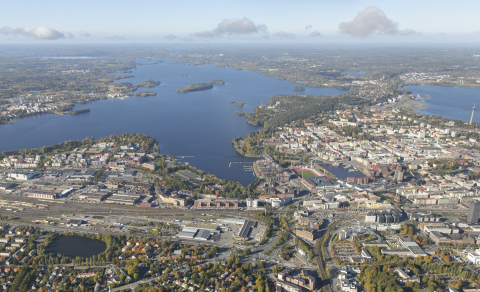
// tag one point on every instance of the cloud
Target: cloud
(171, 37)
(84, 34)
(284, 35)
(308, 27)
(370, 21)
(116, 38)
(205, 34)
(315, 33)
(41, 32)
(243, 26)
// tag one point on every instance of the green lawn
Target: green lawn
(305, 173)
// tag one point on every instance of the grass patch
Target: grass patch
(305, 173)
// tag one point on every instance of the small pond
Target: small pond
(73, 246)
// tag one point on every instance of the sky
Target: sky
(190, 21)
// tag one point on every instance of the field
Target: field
(305, 173)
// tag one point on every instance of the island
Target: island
(79, 111)
(149, 83)
(195, 87)
(239, 104)
(298, 88)
(146, 93)
(220, 82)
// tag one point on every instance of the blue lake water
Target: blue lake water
(199, 125)
(450, 102)
(354, 72)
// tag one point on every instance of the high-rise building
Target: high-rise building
(473, 111)
(473, 212)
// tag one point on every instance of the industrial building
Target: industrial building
(244, 233)
(196, 233)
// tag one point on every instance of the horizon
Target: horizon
(211, 21)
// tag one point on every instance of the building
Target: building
(278, 202)
(175, 199)
(474, 258)
(473, 212)
(252, 203)
(302, 280)
(403, 275)
(218, 203)
(24, 174)
(411, 248)
(244, 233)
(42, 195)
(441, 238)
(307, 233)
(383, 217)
(124, 199)
(423, 217)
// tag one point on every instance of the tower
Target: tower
(473, 111)
(473, 213)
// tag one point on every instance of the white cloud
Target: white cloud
(315, 33)
(370, 21)
(171, 37)
(116, 38)
(84, 34)
(284, 35)
(243, 26)
(41, 32)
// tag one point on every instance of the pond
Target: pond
(73, 246)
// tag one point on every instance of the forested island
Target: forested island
(146, 93)
(79, 111)
(298, 88)
(149, 83)
(195, 87)
(219, 82)
(239, 104)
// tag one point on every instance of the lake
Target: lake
(354, 72)
(197, 127)
(450, 102)
(73, 246)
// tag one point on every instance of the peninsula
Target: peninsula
(79, 111)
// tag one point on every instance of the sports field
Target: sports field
(305, 173)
